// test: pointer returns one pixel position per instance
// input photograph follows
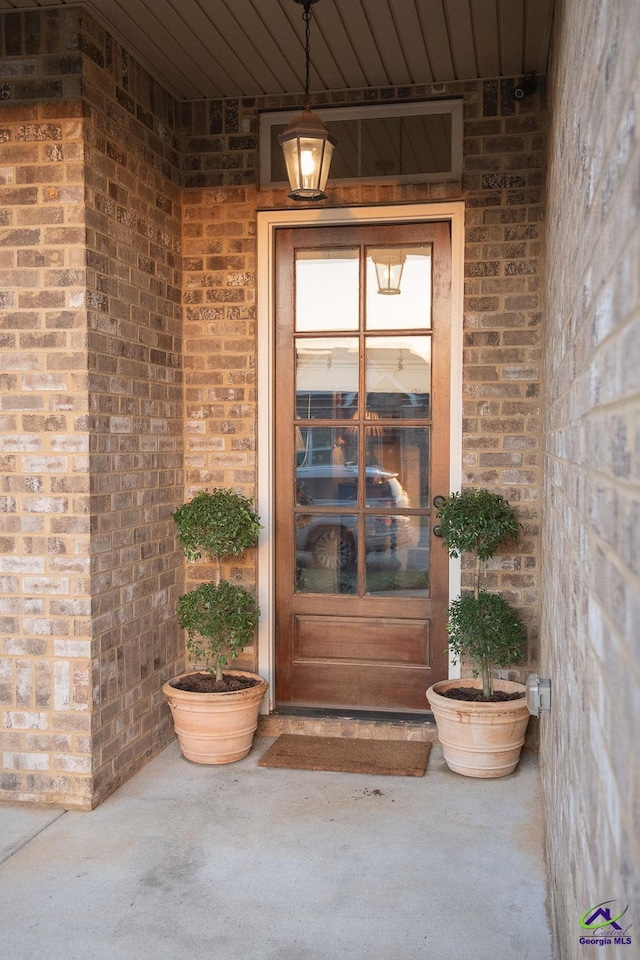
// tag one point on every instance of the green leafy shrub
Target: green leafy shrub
(482, 627)
(487, 630)
(218, 524)
(477, 522)
(220, 617)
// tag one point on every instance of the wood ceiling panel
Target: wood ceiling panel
(357, 26)
(436, 31)
(383, 28)
(286, 38)
(537, 31)
(230, 48)
(326, 66)
(484, 16)
(461, 37)
(205, 60)
(251, 18)
(344, 51)
(224, 46)
(132, 29)
(409, 28)
(510, 28)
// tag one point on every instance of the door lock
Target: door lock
(438, 501)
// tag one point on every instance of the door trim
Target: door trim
(268, 222)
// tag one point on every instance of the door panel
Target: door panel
(362, 358)
(322, 638)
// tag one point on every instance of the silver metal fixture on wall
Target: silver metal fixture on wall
(538, 694)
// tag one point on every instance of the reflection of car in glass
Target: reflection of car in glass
(331, 540)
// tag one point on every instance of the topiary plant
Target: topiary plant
(487, 630)
(219, 617)
(482, 627)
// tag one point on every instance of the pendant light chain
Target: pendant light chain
(306, 16)
(306, 142)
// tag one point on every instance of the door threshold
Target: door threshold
(352, 724)
(351, 713)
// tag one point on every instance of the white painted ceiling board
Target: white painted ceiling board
(409, 27)
(326, 65)
(461, 38)
(357, 25)
(435, 29)
(383, 28)
(344, 51)
(484, 17)
(168, 26)
(223, 45)
(537, 34)
(266, 56)
(135, 37)
(511, 26)
(230, 48)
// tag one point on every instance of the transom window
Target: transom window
(401, 142)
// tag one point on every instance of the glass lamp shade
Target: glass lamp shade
(389, 265)
(307, 146)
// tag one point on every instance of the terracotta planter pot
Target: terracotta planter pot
(216, 727)
(480, 739)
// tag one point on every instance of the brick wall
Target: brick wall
(504, 144)
(91, 407)
(134, 288)
(591, 615)
(45, 625)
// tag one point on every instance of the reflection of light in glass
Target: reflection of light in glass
(413, 308)
(389, 265)
(375, 431)
(327, 364)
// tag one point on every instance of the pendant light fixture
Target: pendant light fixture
(306, 143)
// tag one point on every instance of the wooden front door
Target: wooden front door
(362, 359)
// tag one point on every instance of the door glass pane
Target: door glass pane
(398, 288)
(326, 553)
(397, 556)
(398, 377)
(327, 290)
(326, 484)
(397, 467)
(326, 378)
(324, 448)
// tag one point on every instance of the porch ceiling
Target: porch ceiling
(243, 48)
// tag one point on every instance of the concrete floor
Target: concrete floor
(245, 863)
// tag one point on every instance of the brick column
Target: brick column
(90, 409)
(45, 626)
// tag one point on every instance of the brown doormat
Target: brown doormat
(394, 758)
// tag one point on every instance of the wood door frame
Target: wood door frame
(268, 222)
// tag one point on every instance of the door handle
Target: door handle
(438, 501)
(437, 531)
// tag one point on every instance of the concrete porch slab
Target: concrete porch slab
(240, 862)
